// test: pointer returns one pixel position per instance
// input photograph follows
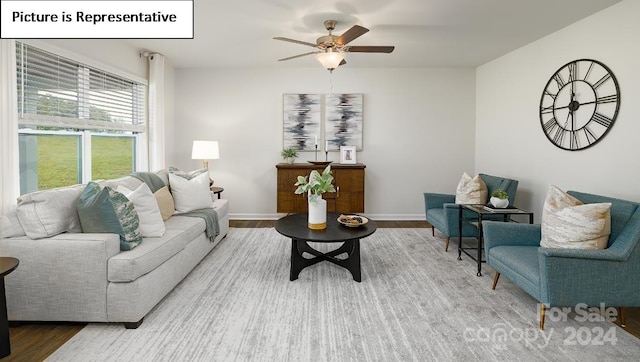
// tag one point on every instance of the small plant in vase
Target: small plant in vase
(499, 199)
(289, 154)
(314, 187)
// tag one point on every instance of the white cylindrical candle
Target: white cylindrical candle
(326, 146)
(316, 140)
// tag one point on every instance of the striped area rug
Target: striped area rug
(416, 302)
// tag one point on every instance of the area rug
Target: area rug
(416, 302)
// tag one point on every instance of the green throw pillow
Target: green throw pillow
(104, 210)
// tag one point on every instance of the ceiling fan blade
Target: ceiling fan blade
(297, 56)
(351, 34)
(370, 49)
(295, 41)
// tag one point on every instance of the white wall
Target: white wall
(509, 138)
(418, 131)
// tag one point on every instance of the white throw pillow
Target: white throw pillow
(471, 190)
(568, 223)
(151, 223)
(47, 213)
(10, 226)
(190, 193)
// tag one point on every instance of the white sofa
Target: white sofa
(76, 276)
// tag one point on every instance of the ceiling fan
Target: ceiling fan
(330, 48)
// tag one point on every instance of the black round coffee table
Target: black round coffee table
(295, 227)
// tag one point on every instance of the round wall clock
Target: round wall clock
(579, 104)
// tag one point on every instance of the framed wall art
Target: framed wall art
(348, 154)
(302, 115)
(343, 120)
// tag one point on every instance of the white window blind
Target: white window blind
(54, 91)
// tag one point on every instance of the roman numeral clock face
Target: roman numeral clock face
(579, 104)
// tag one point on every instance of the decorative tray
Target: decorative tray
(321, 163)
(352, 220)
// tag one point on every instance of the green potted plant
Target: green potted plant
(499, 198)
(289, 154)
(316, 185)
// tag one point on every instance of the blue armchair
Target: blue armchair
(567, 277)
(441, 211)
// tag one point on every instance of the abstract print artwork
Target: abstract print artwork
(302, 115)
(343, 121)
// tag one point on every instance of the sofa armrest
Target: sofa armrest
(436, 201)
(498, 233)
(63, 277)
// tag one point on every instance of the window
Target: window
(77, 123)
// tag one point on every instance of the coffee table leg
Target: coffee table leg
(353, 262)
(296, 261)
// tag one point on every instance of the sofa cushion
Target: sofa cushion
(165, 202)
(471, 190)
(104, 210)
(180, 231)
(49, 212)
(151, 222)
(190, 190)
(191, 227)
(523, 260)
(10, 225)
(568, 223)
(129, 182)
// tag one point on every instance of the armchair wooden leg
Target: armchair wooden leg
(433, 231)
(623, 318)
(446, 246)
(495, 280)
(542, 309)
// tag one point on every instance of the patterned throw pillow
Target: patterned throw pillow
(568, 223)
(190, 190)
(104, 210)
(471, 190)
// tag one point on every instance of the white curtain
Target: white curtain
(156, 112)
(9, 152)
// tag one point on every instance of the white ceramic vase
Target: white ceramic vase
(499, 203)
(318, 214)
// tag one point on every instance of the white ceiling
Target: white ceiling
(426, 33)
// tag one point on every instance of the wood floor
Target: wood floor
(36, 341)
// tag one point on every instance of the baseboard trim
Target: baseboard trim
(381, 217)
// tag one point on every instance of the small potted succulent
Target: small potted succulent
(499, 199)
(315, 186)
(289, 154)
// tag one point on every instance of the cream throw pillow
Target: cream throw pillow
(471, 190)
(165, 202)
(151, 223)
(568, 223)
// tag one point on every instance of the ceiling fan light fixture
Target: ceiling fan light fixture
(330, 59)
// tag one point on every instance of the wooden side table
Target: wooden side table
(217, 190)
(7, 265)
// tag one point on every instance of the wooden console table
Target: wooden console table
(348, 180)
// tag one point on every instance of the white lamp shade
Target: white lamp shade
(205, 150)
(330, 59)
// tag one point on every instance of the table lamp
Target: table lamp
(205, 151)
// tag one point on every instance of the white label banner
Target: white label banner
(97, 19)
